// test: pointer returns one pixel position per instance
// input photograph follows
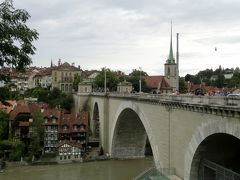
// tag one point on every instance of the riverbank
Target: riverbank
(54, 162)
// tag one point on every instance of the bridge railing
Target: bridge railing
(185, 98)
(220, 171)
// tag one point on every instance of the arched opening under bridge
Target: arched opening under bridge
(130, 139)
(217, 157)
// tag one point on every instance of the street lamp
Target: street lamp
(140, 81)
(105, 80)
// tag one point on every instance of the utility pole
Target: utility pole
(177, 56)
(140, 81)
(105, 81)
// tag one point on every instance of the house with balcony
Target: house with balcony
(20, 120)
(51, 118)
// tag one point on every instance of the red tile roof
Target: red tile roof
(156, 82)
(24, 107)
(73, 119)
(49, 113)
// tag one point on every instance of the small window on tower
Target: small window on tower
(168, 72)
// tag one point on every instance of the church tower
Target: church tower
(170, 68)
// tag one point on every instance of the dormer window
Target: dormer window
(82, 127)
(46, 120)
(65, 127)
(54, 120)
(75, 127)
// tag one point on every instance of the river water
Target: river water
(98, 170)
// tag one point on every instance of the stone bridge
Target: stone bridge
(182, 130)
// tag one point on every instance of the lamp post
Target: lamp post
(140, 81)
(105, 81)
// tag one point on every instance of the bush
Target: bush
(14, 147)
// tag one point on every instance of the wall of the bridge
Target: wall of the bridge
(174, 134)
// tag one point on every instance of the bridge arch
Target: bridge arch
(211, 135)
(131, 120)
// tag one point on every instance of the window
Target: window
(75, 127)
(65, 127)
(53, 120)
(69, 157)
(66, 87)
(55, 77)
(168, 71)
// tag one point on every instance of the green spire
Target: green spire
(171, 59)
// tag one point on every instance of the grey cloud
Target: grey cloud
(102, 29)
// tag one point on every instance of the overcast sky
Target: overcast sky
(128, 34)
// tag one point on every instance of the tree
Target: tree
(38, 92)
(66, 101)
(36, 134)
(188, 77)
(16, 38)
(4, 129)
(12, 150)
(134, 78)
(182, 88)
(76, 81)
(112, 80)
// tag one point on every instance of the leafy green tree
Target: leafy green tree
(38, 92)
(76, 81)
(54, 94)
(134, 78)
(17, 150)
(16, 37)
(220, 82)
(66, 101)
(5, 94)
(188, 77)
(53, 98)
(4, 128)
(36, 134)
(12, 150)
(111, 77)
(182, 88)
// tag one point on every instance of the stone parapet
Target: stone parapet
(218, 105)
